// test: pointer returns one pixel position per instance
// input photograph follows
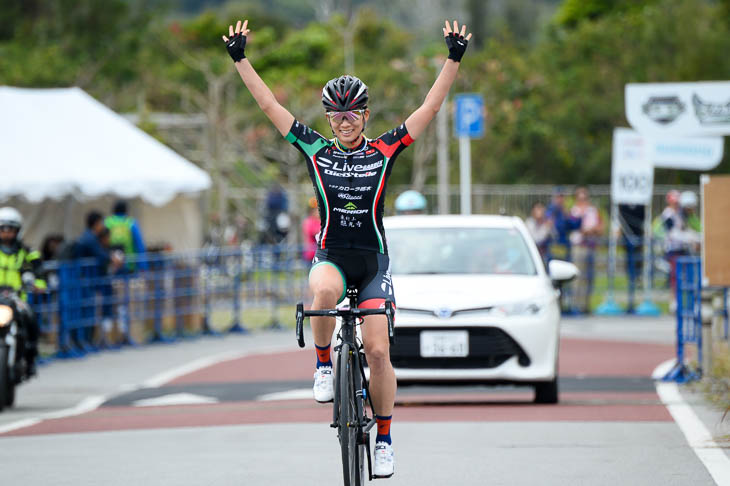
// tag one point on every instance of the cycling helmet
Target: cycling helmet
(345, 93)
(688, 199)
(11, 217)
(410, 201)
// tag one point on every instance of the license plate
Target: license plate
(440, 344)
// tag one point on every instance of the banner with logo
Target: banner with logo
(679, 109)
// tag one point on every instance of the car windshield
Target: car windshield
(500, 251)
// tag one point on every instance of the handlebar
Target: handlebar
(387, 310)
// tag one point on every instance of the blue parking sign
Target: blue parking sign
(469, 115)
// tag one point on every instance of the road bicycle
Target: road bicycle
(349, 415)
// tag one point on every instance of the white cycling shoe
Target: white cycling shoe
(383, 460)
(324, 389)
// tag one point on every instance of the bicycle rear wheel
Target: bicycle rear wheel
(348, 419)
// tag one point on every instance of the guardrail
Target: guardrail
(690, 316)
(217, 290)
(177, 295)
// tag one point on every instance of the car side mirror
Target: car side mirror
(562, 272)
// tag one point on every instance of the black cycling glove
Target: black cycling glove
(235, 46)
(457, 46)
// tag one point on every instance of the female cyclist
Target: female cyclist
(349, 173)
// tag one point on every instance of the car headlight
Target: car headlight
(6, 315)
(519, 309)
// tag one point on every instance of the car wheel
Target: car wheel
(547, 392)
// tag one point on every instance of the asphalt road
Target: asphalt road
(237, 410)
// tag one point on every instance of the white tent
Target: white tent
(63, 153)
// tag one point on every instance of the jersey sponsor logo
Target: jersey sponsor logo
(345, 210)
(348, 188)
(350, 221)
(345, 167)
(349, 197)
(387, 283)
(350, 205)
(334, 173)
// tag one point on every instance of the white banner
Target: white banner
(632, 172)
(679, 109)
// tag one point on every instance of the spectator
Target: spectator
(563, 223)
(631, 222)
(675, 244)
(584, 241)
(51, 247)
(51, 250)
(94, 270)
(540, 228)
(125, 235)
(116, 260)
(310, 231)
(276, 215)
(688, 205)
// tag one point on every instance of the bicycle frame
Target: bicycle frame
(351, 373)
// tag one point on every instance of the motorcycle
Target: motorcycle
(13, 338)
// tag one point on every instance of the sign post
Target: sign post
(686, 110)
(468, 124)
(632, 174)
(632, 182)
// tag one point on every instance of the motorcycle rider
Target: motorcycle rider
(15, 260)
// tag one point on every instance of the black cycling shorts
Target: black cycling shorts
(369, 271)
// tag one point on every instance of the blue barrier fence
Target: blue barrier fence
(689, 317)
(161, 297)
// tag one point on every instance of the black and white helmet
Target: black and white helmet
(344, 94)
(11, 217)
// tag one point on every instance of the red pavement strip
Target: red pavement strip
(577, 358)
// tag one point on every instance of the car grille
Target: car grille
(489, 347)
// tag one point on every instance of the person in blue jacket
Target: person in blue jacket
(563, 224)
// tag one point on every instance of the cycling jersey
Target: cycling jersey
(349, 185)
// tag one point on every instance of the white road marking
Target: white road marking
(94, 401)
(697, 435)
(19, 424)
(174, 399)
(663, 368)
(200, 363)
(86, 405)
(301, 394)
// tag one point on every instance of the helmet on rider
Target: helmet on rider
(11, 222)
(345, 93)
(410, 202)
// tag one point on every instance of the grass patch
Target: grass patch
(716, 383)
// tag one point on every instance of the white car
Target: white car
(474, 303)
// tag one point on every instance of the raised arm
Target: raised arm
(456, 42)
(235, 43)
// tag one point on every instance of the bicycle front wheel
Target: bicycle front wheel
(348, 424)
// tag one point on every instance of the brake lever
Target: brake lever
(300, 324)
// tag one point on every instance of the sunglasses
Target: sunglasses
(338, 117)
(7, 228)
